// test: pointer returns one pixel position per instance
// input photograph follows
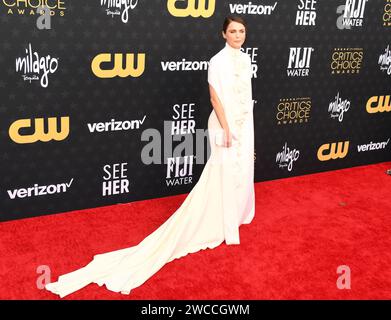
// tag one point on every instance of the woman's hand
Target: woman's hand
(228, 137)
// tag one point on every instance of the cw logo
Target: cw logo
(335, 151)
(118, 68)
(382, 104)
(191, 10)
(39, 130)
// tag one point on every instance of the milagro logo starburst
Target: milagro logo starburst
(287, 157)
(119, 8)
(385, 61)
(34, 67)
(338, 107)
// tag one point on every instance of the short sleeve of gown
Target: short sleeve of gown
(213, 74)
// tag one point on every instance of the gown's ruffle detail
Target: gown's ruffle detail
(241, 111)
(221, 200)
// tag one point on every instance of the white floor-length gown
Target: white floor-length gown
(218, 204)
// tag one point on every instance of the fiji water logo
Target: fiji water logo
(119, 8)
(353, 14)
(299, 62)
(36, 68)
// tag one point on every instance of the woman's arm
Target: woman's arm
(219, 110)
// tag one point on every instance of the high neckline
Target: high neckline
(232, 50)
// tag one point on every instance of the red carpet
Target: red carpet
(304, 228)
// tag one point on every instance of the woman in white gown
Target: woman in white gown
(218, 204)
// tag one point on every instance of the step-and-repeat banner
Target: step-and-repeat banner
(107, 101)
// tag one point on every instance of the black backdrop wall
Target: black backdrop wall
(86, 94)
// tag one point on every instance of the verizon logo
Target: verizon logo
(184, 65)
(114, 125)
(373, 146)
(37, 190)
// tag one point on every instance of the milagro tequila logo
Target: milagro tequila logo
(119, 8)
(385, 61)
(33, 67)
(287, 157)
(338, 107)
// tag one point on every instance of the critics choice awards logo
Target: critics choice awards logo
(346, 60)
(293, 110)
(387, 14)
(33, 7)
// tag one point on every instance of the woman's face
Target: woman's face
(235, 34)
